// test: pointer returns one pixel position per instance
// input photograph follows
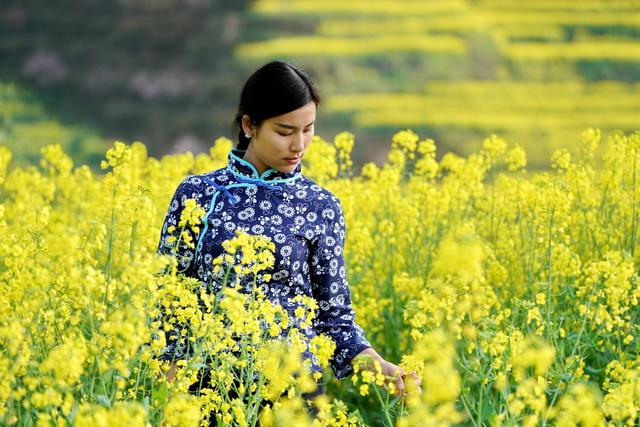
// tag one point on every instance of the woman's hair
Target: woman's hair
(275, 88)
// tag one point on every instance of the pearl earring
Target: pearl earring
(247, 135)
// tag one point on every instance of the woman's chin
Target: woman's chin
(286, 168)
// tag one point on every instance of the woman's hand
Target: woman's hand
(170, 373)
(391, 370)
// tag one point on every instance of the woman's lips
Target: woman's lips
(293, 160)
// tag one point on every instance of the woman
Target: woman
(263, 191)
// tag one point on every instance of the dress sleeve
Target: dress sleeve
(336, 317)
(170, 241)
(171, 244)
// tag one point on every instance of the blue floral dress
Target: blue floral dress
(307, 226)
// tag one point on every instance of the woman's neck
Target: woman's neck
(250, 157)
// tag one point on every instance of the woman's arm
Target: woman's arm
(177, 241)
(330, 288)
(336, 317)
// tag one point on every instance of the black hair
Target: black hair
(274, 89)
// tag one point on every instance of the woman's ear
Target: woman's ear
(246, 124)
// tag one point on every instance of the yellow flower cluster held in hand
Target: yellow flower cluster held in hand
(374, 369)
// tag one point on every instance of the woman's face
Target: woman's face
(280, 138)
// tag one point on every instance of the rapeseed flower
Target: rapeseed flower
(520, 288)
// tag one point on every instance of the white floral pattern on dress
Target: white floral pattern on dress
(307, 225)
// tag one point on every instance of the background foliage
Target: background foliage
(168, 73)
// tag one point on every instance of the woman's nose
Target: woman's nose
(298, 143)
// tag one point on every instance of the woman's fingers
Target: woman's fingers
(393, 374)
(398, 377)
(397, 373)
(415, 383)
(414, 377)
(170, 373)
(399, 385)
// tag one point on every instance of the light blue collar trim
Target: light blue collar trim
(242, 168)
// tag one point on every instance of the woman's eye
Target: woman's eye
(284, 134)
(308, 130)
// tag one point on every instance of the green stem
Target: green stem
(134, 227)
(384, 407)
(575, 348)
(549, 274)
(634, 225)
(479, 412)
(109, 262)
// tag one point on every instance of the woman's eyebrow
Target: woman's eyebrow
(290, 126)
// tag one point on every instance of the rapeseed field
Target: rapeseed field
(513, 294)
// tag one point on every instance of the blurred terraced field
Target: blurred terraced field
(26, 127)
(536, 72)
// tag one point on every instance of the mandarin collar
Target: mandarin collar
(239, 166)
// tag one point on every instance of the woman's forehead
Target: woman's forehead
(301, 117)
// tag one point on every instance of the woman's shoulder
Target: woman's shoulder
(199, 182)
(320, 194)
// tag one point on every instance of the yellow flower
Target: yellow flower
(183, 410)
(364, 389)
(516, 158)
